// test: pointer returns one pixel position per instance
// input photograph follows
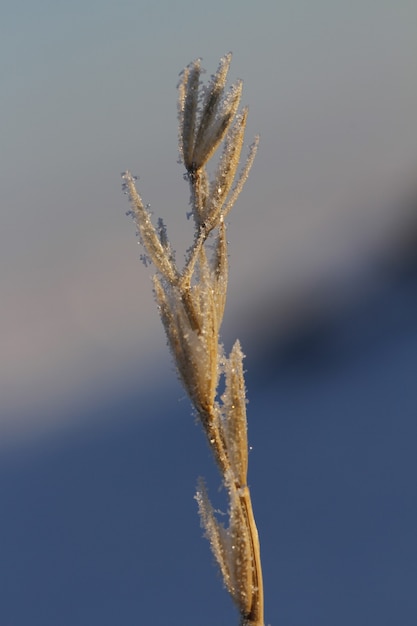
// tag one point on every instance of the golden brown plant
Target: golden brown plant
(191, 304)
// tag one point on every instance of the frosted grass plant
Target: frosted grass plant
(191, 304)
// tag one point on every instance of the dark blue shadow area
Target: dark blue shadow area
(102, 529)
(334, 435)
(99, 528)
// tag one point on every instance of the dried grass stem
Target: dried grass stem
(191, 303)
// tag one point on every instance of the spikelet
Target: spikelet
(234, 410)
(218, 537)
(242, 177)
(187, 107)
(157, 250)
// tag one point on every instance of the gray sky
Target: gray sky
(89, 89)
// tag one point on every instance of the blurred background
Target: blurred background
(99, 451)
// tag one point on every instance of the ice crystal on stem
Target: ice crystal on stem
(191, 303)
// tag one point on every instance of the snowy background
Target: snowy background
(99, 453)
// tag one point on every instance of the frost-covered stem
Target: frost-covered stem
(191, 304)
(187, 274)
(242, 494)
(256, 614)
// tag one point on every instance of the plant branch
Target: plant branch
(191, 305)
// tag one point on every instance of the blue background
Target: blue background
(99, 451)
